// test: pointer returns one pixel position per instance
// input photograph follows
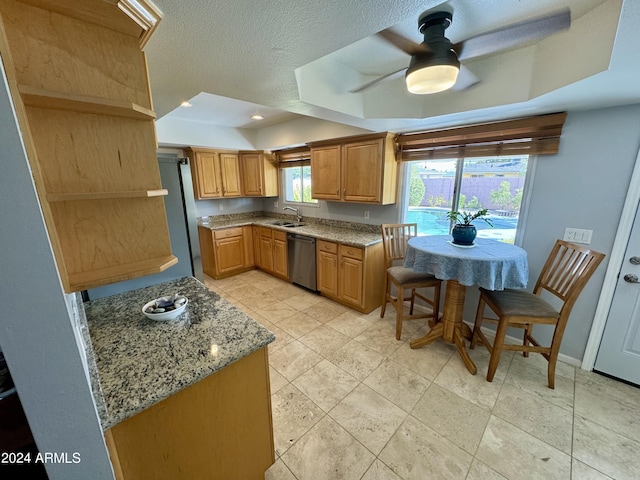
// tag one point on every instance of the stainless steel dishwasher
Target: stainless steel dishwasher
(301, 251)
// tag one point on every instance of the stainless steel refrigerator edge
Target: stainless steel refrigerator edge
(183, 230)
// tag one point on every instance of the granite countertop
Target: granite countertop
(347, 236)
(140, 362)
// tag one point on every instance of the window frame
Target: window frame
(283, 182)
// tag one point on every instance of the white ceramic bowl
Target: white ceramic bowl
(164, 315)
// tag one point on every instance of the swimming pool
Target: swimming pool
(433, 221)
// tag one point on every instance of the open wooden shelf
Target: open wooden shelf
(68, 197)
(119, 273)
(37, 97)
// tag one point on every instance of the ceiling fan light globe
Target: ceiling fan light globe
(431, 79)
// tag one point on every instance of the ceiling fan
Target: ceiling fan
(435, 63)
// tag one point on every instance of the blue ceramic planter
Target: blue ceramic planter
(464, 234)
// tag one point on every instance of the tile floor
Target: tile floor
(351, 402)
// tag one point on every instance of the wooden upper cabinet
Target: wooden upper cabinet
(259, 173)
(214, 173)
(230, 173)
(78, 80)
(355, 169)
(325, 172)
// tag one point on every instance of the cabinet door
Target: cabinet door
(328, 273)
(325, 172)
(252, 174)
(206, 251)
(266, 250)
(280, 266)
(351, 280)
(230, 173)
(256, 247)
(229, 254)
(362, 171)
(249, 256)
(207, 175)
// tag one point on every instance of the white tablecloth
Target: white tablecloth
(488, 263)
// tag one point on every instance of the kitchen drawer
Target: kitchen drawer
(351, 252)
(278, 235)
(227, 233)
(329, 247)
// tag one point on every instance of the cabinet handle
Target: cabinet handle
(344, 191)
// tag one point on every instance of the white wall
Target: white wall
(36, 331)
(183, 133)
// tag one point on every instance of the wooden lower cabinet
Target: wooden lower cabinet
(227, 251)
(219, 428)
(271, 251)
(350, 275)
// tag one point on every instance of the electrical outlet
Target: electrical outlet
(275, 204)
(366, 214)
(577, 235)
(220, 206)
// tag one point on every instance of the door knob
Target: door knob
(634, 260)
(631, 278)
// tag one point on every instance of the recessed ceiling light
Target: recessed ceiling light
(186, 105)
(257, 117)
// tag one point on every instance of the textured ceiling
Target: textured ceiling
(254, 51)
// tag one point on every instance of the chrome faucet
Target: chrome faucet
(297, 210)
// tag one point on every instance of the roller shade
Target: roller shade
(293, 157)
(539, 135)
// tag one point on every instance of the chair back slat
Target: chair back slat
(395, 238)
(567, 270)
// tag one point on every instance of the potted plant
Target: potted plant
(464, 232)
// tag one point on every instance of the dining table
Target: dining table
(488, 263)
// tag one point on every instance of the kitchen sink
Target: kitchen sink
(294, 225)
(280, 223)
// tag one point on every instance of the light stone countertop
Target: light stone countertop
(140, 362)
(348, 236)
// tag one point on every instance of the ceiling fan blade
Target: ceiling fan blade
(379, 79)
(408, 46)
(514, 35)
(466, 79)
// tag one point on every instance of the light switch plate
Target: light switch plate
(577, 235)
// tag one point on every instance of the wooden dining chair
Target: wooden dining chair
(565, 273)
(395, 238)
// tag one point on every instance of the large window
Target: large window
(297, 184)
(436, 187)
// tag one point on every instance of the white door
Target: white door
(619, 352)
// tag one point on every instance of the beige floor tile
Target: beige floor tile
(604, 450)
(285, 291)
(276, 312)
(417, 452)
(325, 384)
(328, 452)
(398, 384)
(369, 417)
(356, 359)
(293, 360)
(293, 415)
(279, 471)
(544, 420)
(325, 310)
(457, 419)
(380, 336)
(252, 297)
(302, 301)
(609, 405)
(282, 339)
(298, 324)
(517, 455)
(538, 361)
(580, 471)
(426, 361)
(350, 324)
(324, 340)
(480, 471)
(276, 380)
(379, 471)
(534, 381)
(474, 388)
